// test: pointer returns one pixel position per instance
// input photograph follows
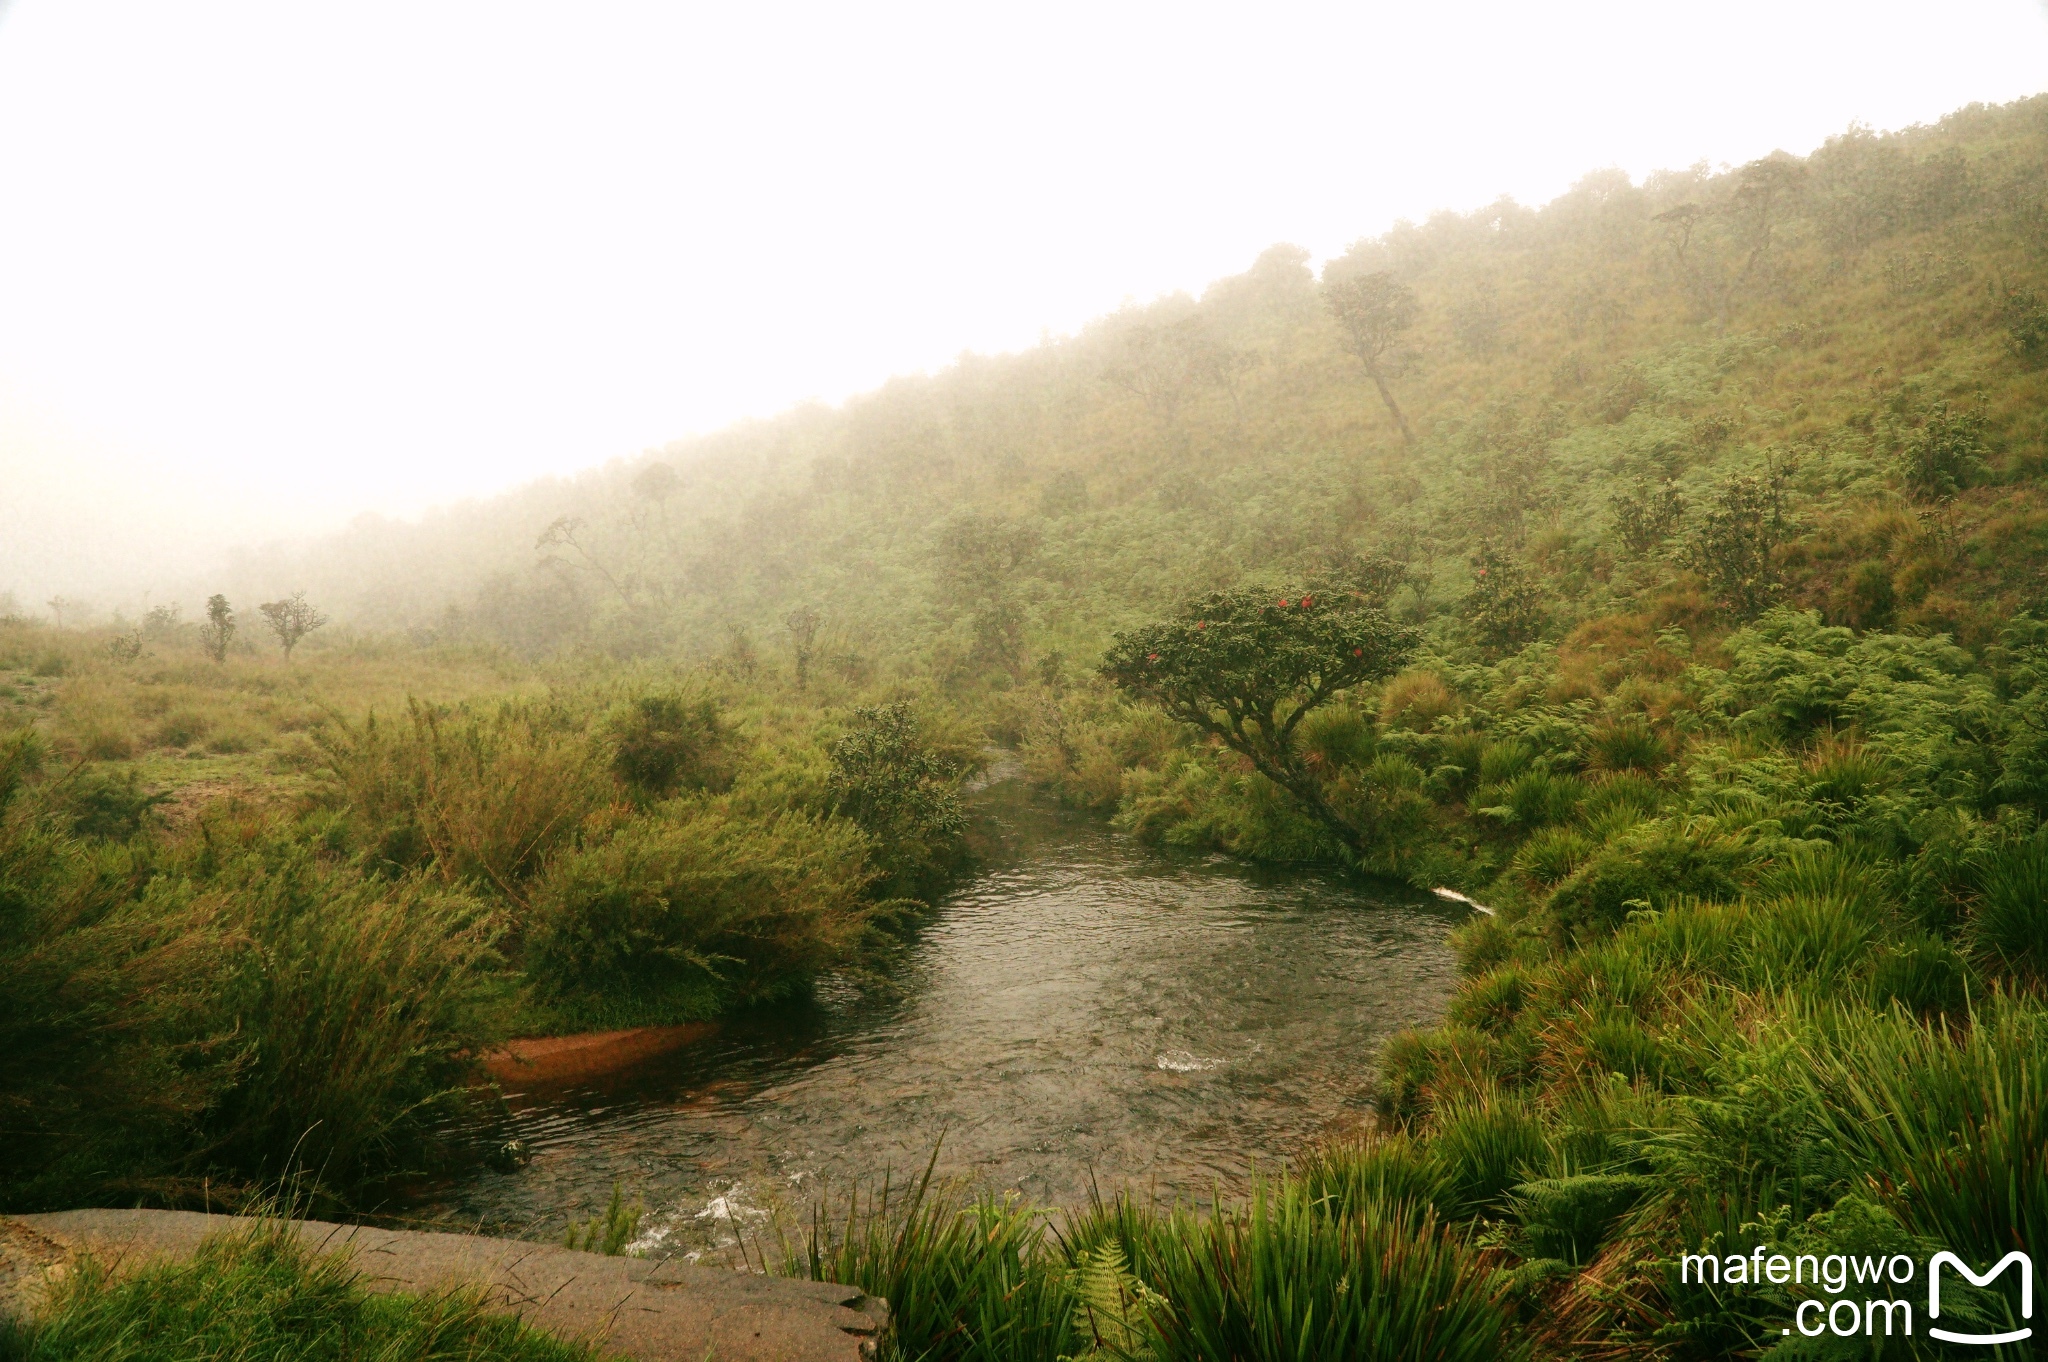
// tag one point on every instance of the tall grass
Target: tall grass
(1343, 1263)
(1279, 1278)
(350, 1020)
(477, 793)
(1950, 1128)
(2009, 927)
(256, 1293)
(695, 906)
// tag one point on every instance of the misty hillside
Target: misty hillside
(1581, 380)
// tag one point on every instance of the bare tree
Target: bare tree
(219, 629)
(1374, 311)
(291, 619)
(60, 606)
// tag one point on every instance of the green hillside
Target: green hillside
(1811, 315)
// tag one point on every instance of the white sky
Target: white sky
(265, 266)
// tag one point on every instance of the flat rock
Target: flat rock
(654, 1310)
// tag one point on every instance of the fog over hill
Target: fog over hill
(1798, 311)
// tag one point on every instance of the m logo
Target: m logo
(2026, 1295)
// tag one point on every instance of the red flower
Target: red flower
(1284, 602)
(1307, 601)
(1482, 572)
(1153, 658)
(1203, 625)
(1358, 652)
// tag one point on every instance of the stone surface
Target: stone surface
(647, 1309)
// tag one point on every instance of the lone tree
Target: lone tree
(219, 630)
(802, 624)
(1248, 666)
(1374, 311)
(291, 619)
(1734, 544)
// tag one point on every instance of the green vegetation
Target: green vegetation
(257, 1294)
(287, 959)
(1672, 585)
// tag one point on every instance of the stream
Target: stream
(1082, 1009)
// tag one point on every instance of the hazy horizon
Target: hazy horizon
(270, 273)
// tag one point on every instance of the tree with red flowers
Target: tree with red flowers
(1249, 665)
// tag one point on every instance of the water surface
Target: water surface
(1081, 1007)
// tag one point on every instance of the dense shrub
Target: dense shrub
(670, 742)
(1654, 865)
(477, 794)
(675, 914)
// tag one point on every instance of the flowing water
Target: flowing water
(1083, 1008)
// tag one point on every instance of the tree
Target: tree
(1504, 607)
(1944, 455)
(887, 779)
(802, 624)
(1734, 544)
(1374, 311)
(1511, 457)
(1721, 247)
(1165, 364)
(1645, 513)
(219, 629)
(979, 558)
(291, 619)
(1247, 666)
(2026, 327)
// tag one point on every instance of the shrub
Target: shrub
(678, 913)
(1416, 700)
(480, 795)
(1364, 1176)
(2026, 327)
(1490, 1002)
(1952, 1124)
(1336, 738)
(108, 804)
(1551, 855)
(1805, 940)
(1567, 1218)
(963, 1282)
(1650, 867)
(902, 792)
(350, 1018)
(1482, 942)
(1626, 745)
(1534, 799)
(670, 742)
(1619, 802)
(180, 727)
(1418, 1069)
(1503, 761)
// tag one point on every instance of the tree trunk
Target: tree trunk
(1394, 408)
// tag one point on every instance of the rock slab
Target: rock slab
(651, 1310)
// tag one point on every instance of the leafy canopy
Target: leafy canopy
(1249, 665)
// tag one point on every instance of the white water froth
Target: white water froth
(1187, 1062)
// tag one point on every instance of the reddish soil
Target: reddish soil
(568, 1059)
